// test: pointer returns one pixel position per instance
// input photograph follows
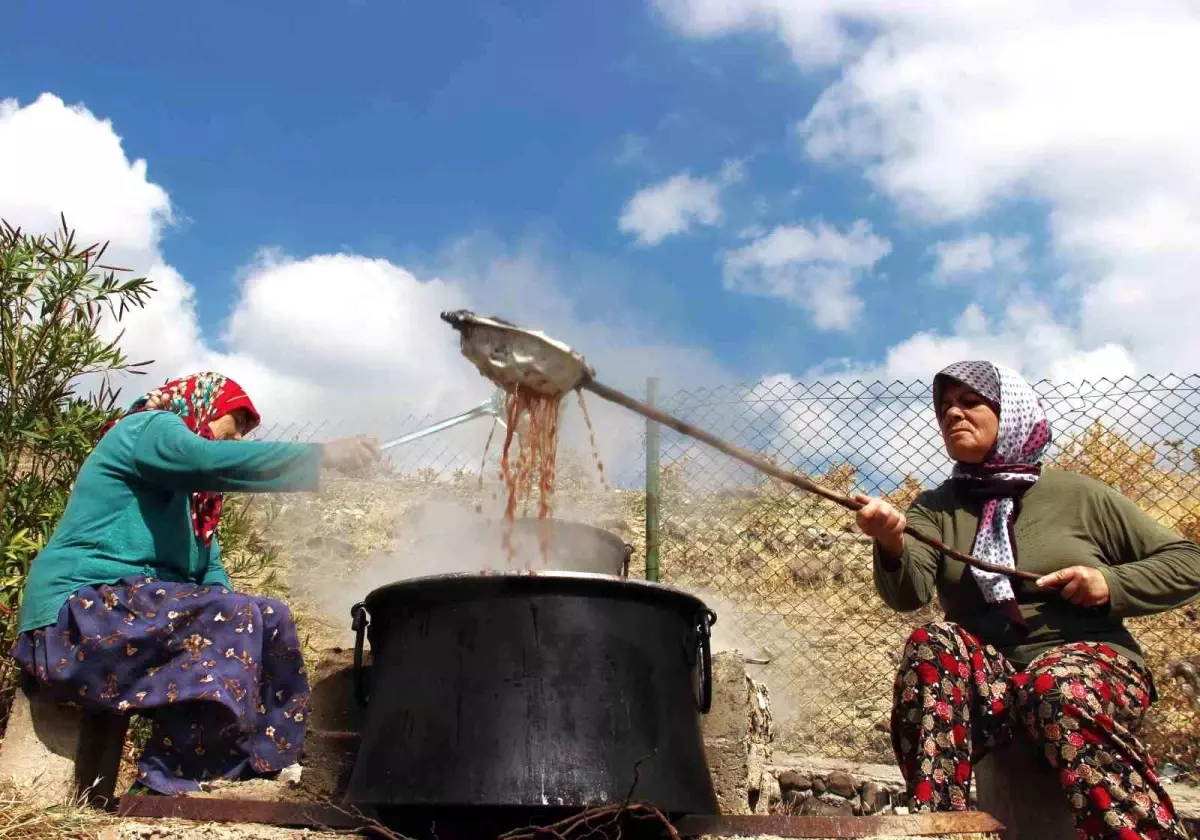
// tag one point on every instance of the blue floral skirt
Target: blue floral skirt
(220, 675)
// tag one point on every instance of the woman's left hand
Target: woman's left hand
(1081, 585)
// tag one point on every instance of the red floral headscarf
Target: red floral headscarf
(199, 400)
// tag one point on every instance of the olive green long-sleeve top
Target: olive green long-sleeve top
(1066, 519)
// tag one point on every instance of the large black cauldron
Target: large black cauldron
(534, 689)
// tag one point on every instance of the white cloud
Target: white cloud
(978, 256)
(337, 339)
(815, 269)
(676, 205)
(85, 168)
(58, 159)
(1026, 338)
(956, 109)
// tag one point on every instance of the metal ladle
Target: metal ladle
(492, 407)
(514, 357)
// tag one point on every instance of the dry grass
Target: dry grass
(19, 821)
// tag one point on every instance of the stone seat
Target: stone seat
(1021, 792)
(60, 755)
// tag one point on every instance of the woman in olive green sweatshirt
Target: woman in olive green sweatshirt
(129, 609)
(1050, 659)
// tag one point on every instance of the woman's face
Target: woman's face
(232, 426)
(969, 425)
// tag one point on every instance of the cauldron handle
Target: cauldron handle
(359, 622)
(627, 553)
(704, 626)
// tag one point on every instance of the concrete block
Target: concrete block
(38, 750)
(335, 722)
(328, 761)
(729, 716)
(59, 755)
(332, 704)
(1018, 789)
(737, 735)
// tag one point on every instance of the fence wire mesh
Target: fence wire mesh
(787, 573)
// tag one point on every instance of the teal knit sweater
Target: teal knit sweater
(129, 514)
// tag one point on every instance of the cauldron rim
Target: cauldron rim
(528, 521)
(529, 582)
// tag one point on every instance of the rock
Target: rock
(291, 775)
(818, 785)
(841, 784)
(837, 569)
(329, 546)
(790, 780)
(751, 561)
(827, 806)
(762, 723)
(874, 798)
(794, 800)
(762, 791)
(818, 537)
(808, 568)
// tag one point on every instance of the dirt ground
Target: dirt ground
(181, 830)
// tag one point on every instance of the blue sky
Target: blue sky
(390, 129)
(697, 189)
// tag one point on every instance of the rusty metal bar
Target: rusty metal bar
(306, 815)
(909, 825)
(201, 809)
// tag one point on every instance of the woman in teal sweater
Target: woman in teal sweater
(129, 609)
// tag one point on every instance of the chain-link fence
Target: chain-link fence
(789, 575)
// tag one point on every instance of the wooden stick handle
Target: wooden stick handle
(762, 464)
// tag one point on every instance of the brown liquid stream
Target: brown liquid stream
(592, 437)
(536, 455)
(532, 421)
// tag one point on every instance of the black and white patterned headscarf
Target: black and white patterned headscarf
(1012, 466)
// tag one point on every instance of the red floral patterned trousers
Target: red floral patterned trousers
(955, 697)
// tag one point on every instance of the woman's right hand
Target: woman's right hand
(880, 521)
(350, 454)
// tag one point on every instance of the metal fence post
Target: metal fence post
(653, 431)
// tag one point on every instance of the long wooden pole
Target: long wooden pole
(760, 463)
